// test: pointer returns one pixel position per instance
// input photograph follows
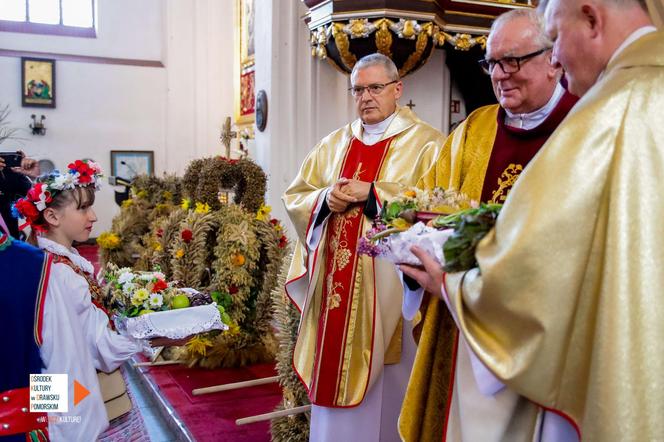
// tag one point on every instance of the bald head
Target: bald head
(588, 32)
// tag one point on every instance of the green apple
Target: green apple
(179, 301)
(225, 318)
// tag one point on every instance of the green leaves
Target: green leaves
(469, 226)
(393, 210)
(222, 299)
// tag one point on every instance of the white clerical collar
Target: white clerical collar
(372, 132)
(533, 119)
(58, 249)
(631, 38)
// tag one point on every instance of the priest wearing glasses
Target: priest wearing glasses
(349, 353)
(451, 395)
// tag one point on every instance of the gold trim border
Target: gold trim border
(241, 65)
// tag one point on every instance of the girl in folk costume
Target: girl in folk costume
(76, 336)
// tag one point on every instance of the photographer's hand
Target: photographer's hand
(29, 167)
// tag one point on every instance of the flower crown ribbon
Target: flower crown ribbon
(80, 173)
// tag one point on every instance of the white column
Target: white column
(307, 99)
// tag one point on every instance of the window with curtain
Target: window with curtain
(57, 17)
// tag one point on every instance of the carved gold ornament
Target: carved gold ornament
(359, 28)
(385, 30)
(319, 38)
(415, 57)
(462, 42)
(341, 40)
(384, 38)
(408, 29)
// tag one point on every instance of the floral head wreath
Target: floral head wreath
(80, 173)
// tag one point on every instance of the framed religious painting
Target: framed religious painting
(245, 63)
(37, 82)
(128, 164)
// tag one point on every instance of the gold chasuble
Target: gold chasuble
(569, 308)
(464, 159)
(350, 304)
(482, 158)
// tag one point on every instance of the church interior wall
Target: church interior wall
(97, 110)
(199, 62)
(175, 110)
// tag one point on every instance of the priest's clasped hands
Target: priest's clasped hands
(346, 192)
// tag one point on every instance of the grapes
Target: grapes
(199, 299)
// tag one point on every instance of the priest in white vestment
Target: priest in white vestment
(351, 305)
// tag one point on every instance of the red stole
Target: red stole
(342, 281)
(513, 149)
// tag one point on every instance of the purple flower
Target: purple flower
(367, 247)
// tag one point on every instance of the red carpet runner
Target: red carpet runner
(211, 417)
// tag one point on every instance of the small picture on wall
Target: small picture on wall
(37, 82)
(128, 164)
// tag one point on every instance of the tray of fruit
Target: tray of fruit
(444, 223)
(176, 323)
(145, 306)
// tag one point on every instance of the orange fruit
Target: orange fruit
(238, 259)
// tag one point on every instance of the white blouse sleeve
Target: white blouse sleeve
(107, 348)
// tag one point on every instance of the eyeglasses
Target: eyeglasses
(509, 65)
(374, 89)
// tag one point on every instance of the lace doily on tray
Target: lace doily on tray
(396, 248)
(176, 324)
